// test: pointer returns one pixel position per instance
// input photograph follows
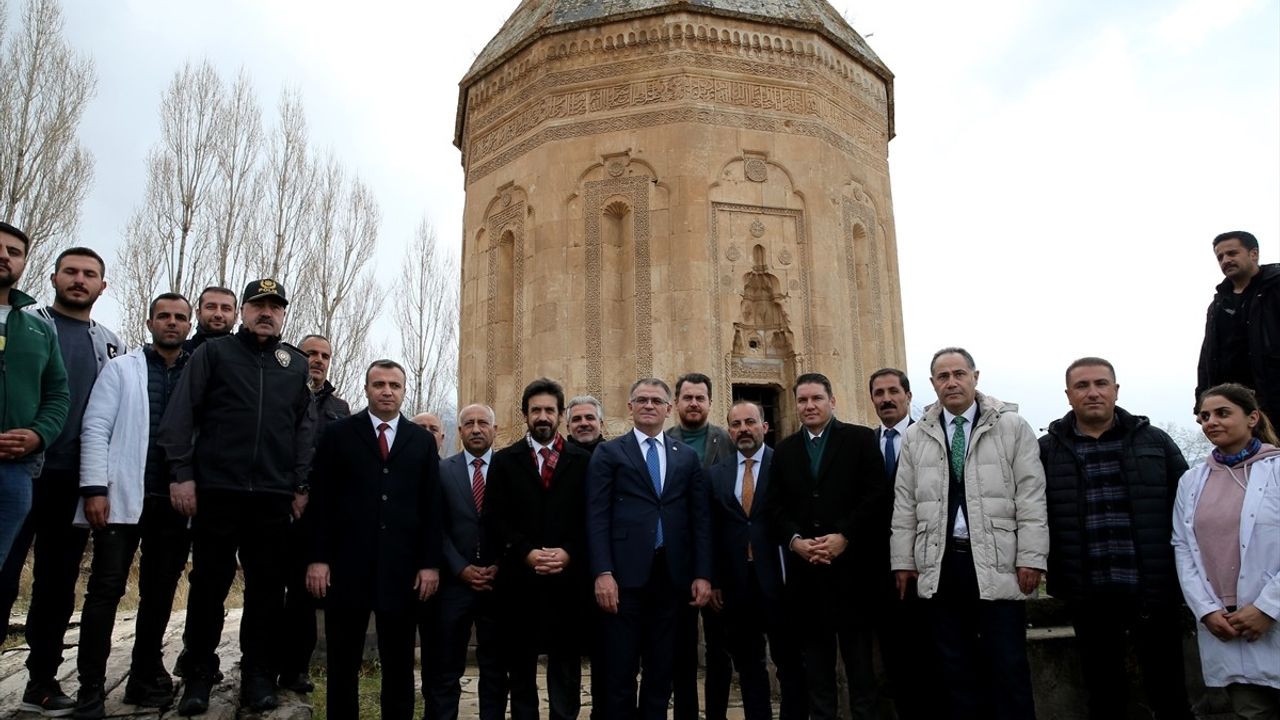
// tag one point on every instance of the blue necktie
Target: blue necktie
(890, 455)
(655, 475)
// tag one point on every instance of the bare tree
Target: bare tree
(427, 321)
(288, 180)
(1193, 444)
(234, 207)
(44, 171)
(336, 279)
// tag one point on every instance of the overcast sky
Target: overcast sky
(1059, 170)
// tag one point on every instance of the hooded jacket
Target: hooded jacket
(1004, 500)
(1151, 466)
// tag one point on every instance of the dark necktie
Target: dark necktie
(890, 455)
(477, 484)
(383, 447)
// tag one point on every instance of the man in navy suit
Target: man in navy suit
(748, 572)
(906, 647)
(466, 596)
(375, 533)
(649, 546)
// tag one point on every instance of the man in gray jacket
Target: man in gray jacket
(78, 279)
(712, 444)
(969, 524)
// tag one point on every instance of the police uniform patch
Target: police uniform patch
(283, 357)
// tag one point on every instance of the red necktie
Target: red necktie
(382, 440)
(546, 468)
(477, 484)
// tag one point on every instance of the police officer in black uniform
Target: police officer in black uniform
(238, 435)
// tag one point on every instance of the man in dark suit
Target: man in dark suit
(534, 515)
(712, 444)
(466, 596)
(829, 504)
(649, 543)
(374, 513)
(748, 570)
(905, 645)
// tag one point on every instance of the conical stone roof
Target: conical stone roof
(537, 18)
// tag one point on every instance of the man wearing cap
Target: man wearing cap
(238, 435)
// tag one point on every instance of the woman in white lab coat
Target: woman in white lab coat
(1226, 537)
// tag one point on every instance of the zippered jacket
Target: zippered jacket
(33, 381)
(114, 436)
(239, 417)
(106, 345)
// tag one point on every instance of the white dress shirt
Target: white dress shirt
(662, 453)
(961, 528)
(901, 427)
(755, 472)
(392, 425)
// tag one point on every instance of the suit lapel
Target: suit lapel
(462, 478)
(673, 456)
(726, 482)
(762, 481)
(368, 435)
(404, 436)
(631, 449)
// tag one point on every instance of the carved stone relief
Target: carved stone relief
(510, 220)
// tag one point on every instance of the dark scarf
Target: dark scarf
(1232, 460)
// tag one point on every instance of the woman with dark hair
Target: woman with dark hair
(1226, 537)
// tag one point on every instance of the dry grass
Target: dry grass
(370, 687)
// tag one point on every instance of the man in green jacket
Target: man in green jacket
(33, 388)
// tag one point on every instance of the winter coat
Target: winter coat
(1264, 339)
(1235, 661)
(114, 436)
(1151, 466)
(33, 382)
(1004, 500)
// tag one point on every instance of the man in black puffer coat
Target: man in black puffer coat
(1111, 482)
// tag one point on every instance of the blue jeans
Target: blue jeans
(15, 501)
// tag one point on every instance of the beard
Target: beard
(167, 344)
(73, 302)
(542, 433)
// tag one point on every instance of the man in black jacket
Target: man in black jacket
(238, 435)
(1111, 482)
(215, 316)
(298, 639)
(374, 517)
(828, 503)
(535, 515)
(1242, 329)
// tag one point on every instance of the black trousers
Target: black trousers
(298, 630)
(445, 631)
(641, 638)
(59, 548)
(345, 634)
(1104, 630)
(113, 549)
(982, 647)
(826, 625)
(684, 681)
(909, 654)
(253, 527)
(553, 633)
(166, 546)
(747, 620)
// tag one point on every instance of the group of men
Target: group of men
(231, 448)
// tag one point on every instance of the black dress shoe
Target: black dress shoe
(297, 682)
(46, 697)
(91, 703)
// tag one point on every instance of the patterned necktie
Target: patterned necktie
(655, 476)
(546, 468)
(477, 484)
(382, 441)
(958, 448)
(890, 455)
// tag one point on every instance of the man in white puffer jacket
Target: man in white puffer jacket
(124, 485)
(969, 522)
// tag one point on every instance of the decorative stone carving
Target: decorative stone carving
(510, 220)
(784, 257)
(756, 170)
(757, 229)
(733, 254)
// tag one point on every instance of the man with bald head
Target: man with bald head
(432, 424)
(465, 598)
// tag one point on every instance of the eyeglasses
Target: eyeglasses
(657, 402)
